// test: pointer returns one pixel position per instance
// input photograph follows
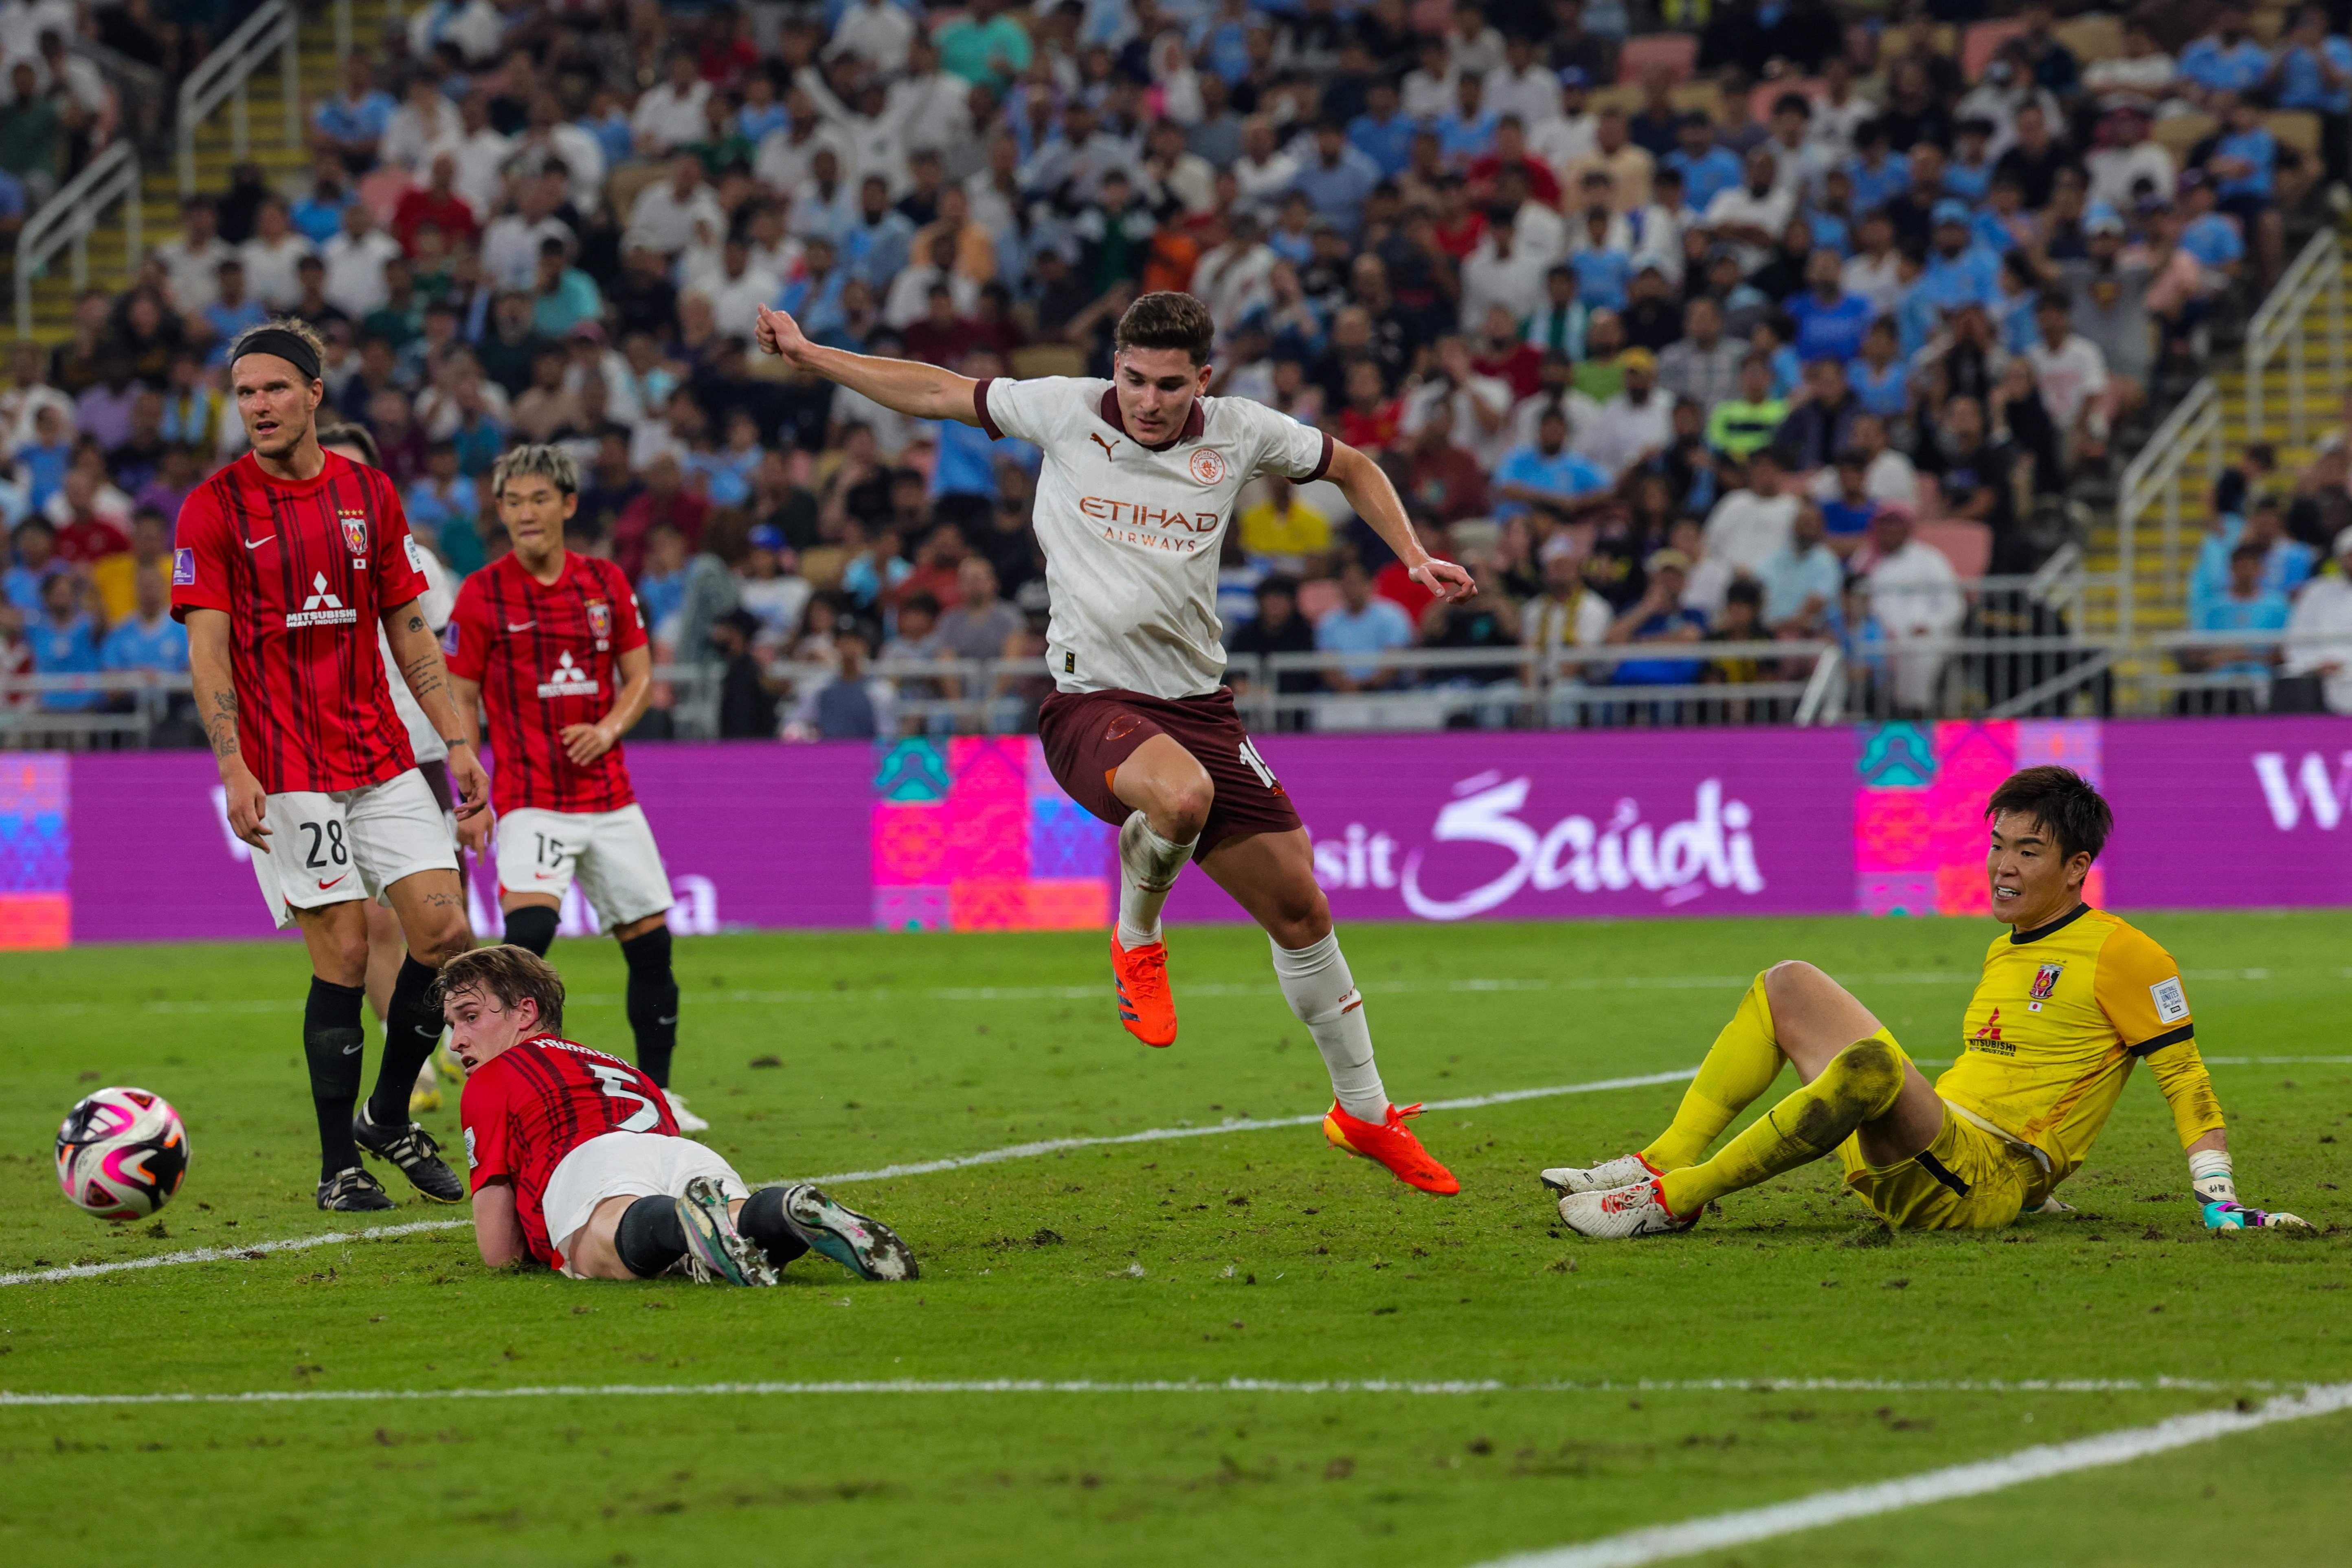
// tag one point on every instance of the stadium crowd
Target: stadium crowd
(1787, 336)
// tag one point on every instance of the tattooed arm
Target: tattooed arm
(417, 653)
(210, 673)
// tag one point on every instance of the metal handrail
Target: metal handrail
(271, 29)
(2317, 267)
(2154, 474)
(66, 219)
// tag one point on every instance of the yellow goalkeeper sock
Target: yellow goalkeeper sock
(1860, 1084)
(1740, 1067)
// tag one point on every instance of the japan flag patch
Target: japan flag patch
(2172, 1003)
(184, 569)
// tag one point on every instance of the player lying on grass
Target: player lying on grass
(2070, 997)
(576, 1160)
(1140, 474)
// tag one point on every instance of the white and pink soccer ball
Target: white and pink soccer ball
(121, 1154)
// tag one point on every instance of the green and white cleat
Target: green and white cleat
(864, 1245)
(715, 1252)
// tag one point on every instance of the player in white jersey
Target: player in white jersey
(386, 946)
(1140, 481)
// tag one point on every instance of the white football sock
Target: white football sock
(1316, 983)
(1148, 865)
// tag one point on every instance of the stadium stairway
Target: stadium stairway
(280, 161)
(2160, 601)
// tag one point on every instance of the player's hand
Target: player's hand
(778, 333)
(246, 800)
(474, 833)
(1444, 579)
(473, 784)
(583, 744)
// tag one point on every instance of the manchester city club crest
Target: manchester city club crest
(600, 618)
(354, 531)
(2045, 980)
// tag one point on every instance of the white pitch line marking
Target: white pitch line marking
(957, 1162)
(1450, 1387)
(1658, 1544)
(1084, 993)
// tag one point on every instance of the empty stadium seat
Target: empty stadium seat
(1678, 52)
(1967, 545)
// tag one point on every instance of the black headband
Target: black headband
(286, 345)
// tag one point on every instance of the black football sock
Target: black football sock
(652, 1001)
(651, 1238)
(763, 1218)
(412, 1028)
(331, 1041)
(532, 926)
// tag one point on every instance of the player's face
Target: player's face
(534, 512)
(1156, 389)
(276, 402)
(2032, 883)
(480, 1027)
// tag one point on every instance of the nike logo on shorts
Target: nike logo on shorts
(257, 544)
(324, 886)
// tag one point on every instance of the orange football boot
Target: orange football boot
(1145, 1004)
(1392, 1144)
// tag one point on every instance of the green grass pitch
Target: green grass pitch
(1255, 1255)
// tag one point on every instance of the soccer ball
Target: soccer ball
(121, 1154)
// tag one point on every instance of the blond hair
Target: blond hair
(552, 464)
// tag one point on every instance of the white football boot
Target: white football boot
(1623, 1171)
(687, 1122)
(1637, 1210)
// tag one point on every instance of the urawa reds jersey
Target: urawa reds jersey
(303, 568)
(546, 656)
(1130, 531)
(531, 1104)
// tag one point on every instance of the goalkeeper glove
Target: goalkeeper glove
(2234, 1215)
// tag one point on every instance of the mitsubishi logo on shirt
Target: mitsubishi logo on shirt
(567, 679)
(323, 609)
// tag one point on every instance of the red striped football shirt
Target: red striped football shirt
(547, 656)
(303, 568)
(528, 1107)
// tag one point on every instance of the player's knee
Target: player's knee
(1185, 806)
(1867, 1076)
(443, 941)
(1299, 917)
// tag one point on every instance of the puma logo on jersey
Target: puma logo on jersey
(567, 679)
(1106, 446)
(323, 609)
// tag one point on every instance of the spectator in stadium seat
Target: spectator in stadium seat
(1659, 618)
(436, 203)
(671, 114)
(850, 704)
(1915, 598)
(1752, 523)
(445, 509)
(32, 134)
(64, 639)
(2227, 59)
(34, 543)
(1547, 475)
(981, 624)
(747, 700)
(2244, 604)
(148, 638)
(663, 500)
(1635, 427)
(1830, 321)
(1800, 581)
(2287, 563)
(1362, 623)
(1739, 426)
(668, 215)
(1703, 368)
(1707, 168)
(1819, 423)
(2320, 629)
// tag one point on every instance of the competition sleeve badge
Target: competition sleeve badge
(354, 523)
(183, 568)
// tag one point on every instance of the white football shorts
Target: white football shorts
(626, 1164)
(331, 848)
(612, 853)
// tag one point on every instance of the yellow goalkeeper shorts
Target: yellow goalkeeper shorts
(1966, 1179)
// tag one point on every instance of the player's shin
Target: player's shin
(331, 1042)
(652, 1001)
(1148, 867)
(650, 1239)
(532, 926)
(1860, 1084)
(1316, 983)
(1740, 1067)
(763, 1219)
(412, 1028)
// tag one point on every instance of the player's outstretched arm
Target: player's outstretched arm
(2197, 1117)
(466, 697)
(497, 1233)
(917, 390)
(417, 652)
(214, 684)
(1376, 501)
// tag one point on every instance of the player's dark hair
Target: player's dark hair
(1168, 320)
(506, 973)
(359, 437)
(2063, 802)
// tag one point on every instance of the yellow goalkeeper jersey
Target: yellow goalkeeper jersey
(2057, 1021)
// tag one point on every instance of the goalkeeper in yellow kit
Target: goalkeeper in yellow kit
(2070, 997)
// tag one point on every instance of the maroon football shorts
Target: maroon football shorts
(1088, 734)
